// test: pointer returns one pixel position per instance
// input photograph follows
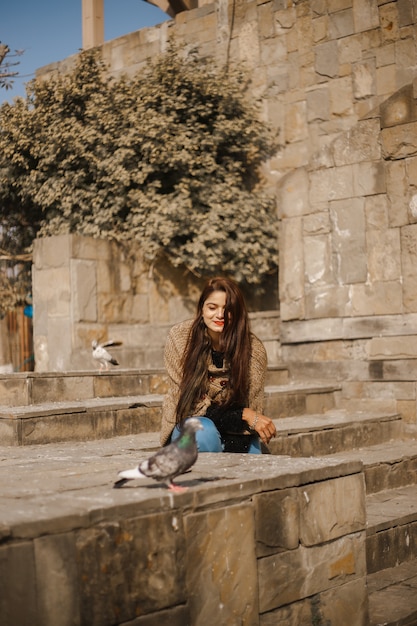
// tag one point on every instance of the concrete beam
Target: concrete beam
(92, 23)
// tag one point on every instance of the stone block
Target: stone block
(380, 477)
(393, 347)
(350, 50)
(221, 566)
(369, 178)
(408, 410)
(59, 343)
(52, 288)
(292, 198)
(265, 20)
(304, 31)
(137, 420)
(327, 301)
(341, 24)
(277, 516)
(341, 183)
(291, 275)
(317, 223)
(84, 290)
(378, 298)
(320, 185)
(91, 249)
(386, 80)
(131, 568)
(318, 104)
(376, 212)
(14, 390)
(297, 574)
(346, 605)
(397, 191)
(326, 59)
(284, 405)
(140, 308)
(318, 259)
(341, 96)
(358, 144)
(52, 252)
(60, 388)
(57, 583)
(405, 12)
(319, 403)
(400, 108)
(320, 29)
(175, 616)
(409, 260)
(391, 546)
(399, 142)
(384, 254)
(349, 244)
(330, 510)
(388, 17)
(66, 427)
(385, 55)
(40, 346)
(296, 122)
(365, 15)
(364, 80)
(249, 48)
(18, 602)
(108, 385)
(9, 432)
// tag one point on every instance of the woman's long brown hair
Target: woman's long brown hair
(235, 343)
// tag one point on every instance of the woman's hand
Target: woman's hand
(261, 424)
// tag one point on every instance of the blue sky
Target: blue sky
(50, 30)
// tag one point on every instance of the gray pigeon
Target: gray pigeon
(101, 355)
(170, 461)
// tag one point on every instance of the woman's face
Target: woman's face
(213, 313)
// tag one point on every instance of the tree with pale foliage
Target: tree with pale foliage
(7, 66)
(169, 159)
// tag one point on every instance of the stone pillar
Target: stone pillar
(92, 23)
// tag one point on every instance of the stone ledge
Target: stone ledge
(392, 596)
(109, 553)
(360, 327)
(82, 406)
(392, 507)
(337, 418)
(74, 482)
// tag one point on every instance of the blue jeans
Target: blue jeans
(209, 439)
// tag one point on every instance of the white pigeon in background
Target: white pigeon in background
(101, 355)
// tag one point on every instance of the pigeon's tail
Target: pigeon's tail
(127, 475)
(120, 483)
(114, 362)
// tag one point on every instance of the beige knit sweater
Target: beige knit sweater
(174, 349)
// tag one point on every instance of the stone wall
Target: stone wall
(337, 78)
(281, 543)
(85, 289)
(351, 231)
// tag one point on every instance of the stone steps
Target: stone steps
(88, 411)
(387, 449)
(391, 551)
(393, 596)
(310, 423)
(333, 431)
(391, 528)
(27, 388)
(84, 420)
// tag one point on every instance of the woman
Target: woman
(216, 369)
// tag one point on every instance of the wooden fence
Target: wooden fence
(20, 339)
